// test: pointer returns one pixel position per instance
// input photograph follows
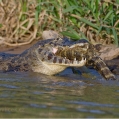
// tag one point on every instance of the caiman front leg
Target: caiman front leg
(100, 66)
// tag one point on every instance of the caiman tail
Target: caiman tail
(100, 66)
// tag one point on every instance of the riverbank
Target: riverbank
(16, 49)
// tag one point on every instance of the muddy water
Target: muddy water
(66, 95)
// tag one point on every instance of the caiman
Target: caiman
(52, 56)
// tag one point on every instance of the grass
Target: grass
(72, 15)
(94, 20)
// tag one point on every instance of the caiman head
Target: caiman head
(49, 61)
(90, 53)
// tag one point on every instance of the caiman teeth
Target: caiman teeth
(64, 59)
(87, 46)
(75, 61)
(83, 60)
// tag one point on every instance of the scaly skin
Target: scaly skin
(52, 56)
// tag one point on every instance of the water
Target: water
(67, 95)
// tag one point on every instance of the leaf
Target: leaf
(36, 17)
(0, 25)
(56, 19)
(115, 36)
(70, 9)
(108, 14)
(71, 34)
(86, 21)
(99, 30)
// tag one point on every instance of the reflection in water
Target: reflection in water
(37, 95)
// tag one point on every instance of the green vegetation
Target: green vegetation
(95, 20)
(69, 16)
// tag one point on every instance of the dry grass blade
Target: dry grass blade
(14, 30)
(21, 21)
